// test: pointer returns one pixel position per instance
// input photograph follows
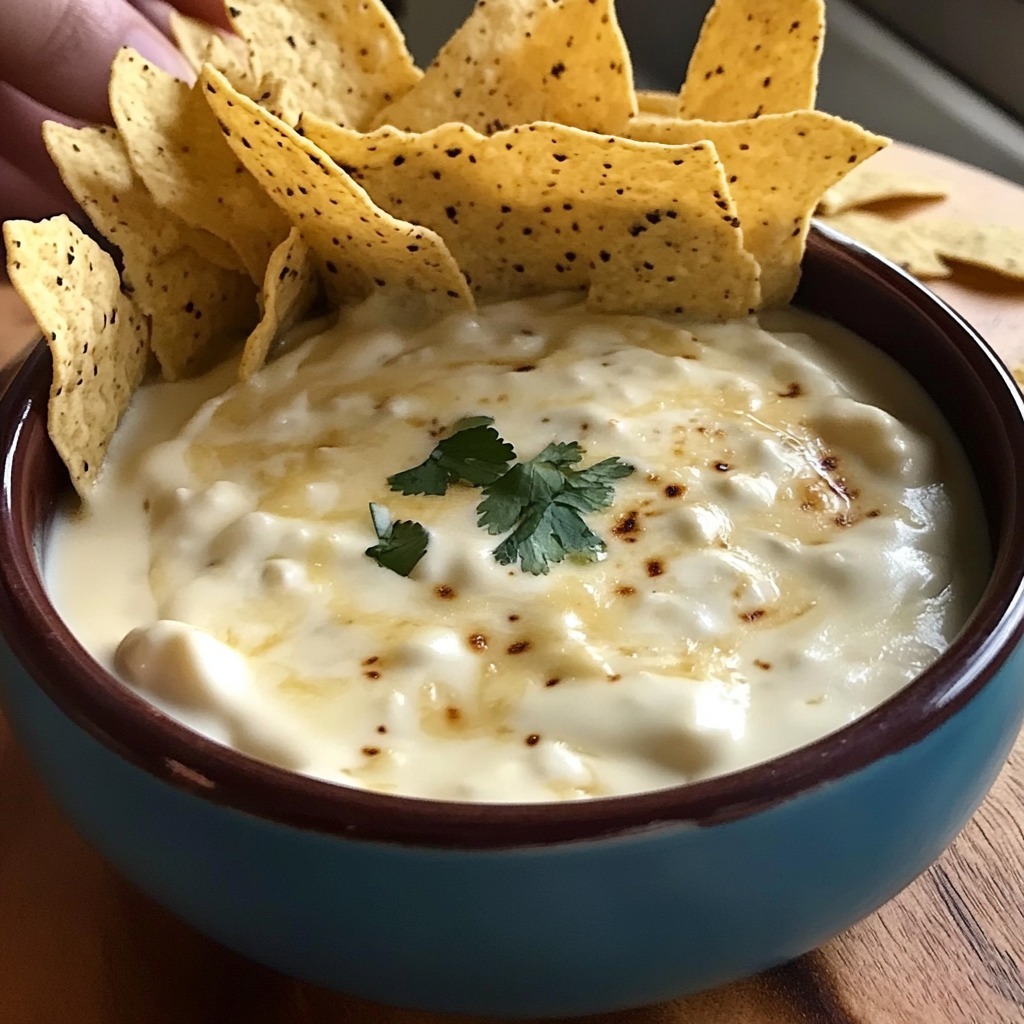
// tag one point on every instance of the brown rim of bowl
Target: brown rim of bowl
(837, 275)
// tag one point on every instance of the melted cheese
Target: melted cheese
(800, 538)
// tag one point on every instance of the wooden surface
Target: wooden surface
(79, 946)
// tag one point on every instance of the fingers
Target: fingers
(59, 52)
(21, 197)
(22, 148)
(158, 12)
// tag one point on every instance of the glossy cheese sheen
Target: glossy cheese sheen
(785, 557)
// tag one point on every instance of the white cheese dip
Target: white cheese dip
(800, 538)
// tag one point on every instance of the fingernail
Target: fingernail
(161, 51)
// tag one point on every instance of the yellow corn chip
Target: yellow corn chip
(197, 309)
(341, 59)
(902, 242)
(201, 44)
(544, 208)
(177, 149)
(921, 244)
(360, 247)
(94, 164)
(654, 101)
(290, 289)
(755, 57)
(526, 60)
(777, 167)
(864, 186)
(995, 247)
(97, 338)
(229, 56)
(200, 312)
(192, 37)
(272, 94)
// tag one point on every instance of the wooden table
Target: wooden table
(79, 946)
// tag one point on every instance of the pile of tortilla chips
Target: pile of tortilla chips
(313, 160)
(928, 246)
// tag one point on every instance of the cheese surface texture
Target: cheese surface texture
(800, 538)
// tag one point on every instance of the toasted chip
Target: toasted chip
(289, 291)
(97, 338)
(94, 164)
(272, 94)
(755, 57)
(200, 43)
(200, 313)
(526, 60)
(903, 242)
(545, 207)
(341, 59)
(864, 186)
(192, 37)
(229, 56)
(995, 247)
(654, 101)
(198, 310)
(777, 167)
(361, 247)
(177, 149)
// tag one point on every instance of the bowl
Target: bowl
(551, 909)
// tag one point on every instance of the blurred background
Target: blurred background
(944, 74)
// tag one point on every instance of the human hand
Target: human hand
(55, 58)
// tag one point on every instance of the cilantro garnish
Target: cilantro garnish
(473, 453)
(401, 544)
(542, 502)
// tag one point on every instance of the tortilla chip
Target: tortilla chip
(546, 208)
(864, 186)
(341, 59)
(994, 247)
(755, 57)
(94, 165)
(200, 43)
(97, 338)
(192, 37)
(177, 149)
(197, 309)
(230, 57)
(200, 313)
(289, 291)
(526, 60)
(902, 242)
(654, 101)
(777, 167)
(274, 95)
(361, 247)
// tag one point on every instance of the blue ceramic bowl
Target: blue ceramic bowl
(541, 910)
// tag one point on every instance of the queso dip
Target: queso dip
(797, 541)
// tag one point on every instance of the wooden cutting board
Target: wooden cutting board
(79, 946)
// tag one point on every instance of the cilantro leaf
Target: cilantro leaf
(548, 534)
(401, 544)
(542, 501)
(526, 484)
(591, 489)
(474, 452)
